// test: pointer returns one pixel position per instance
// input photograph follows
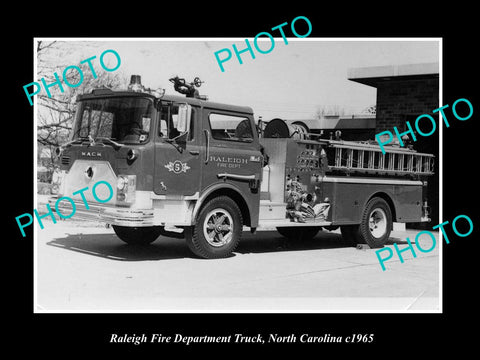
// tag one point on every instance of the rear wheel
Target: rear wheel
(375, 226)
(138, 235)
(376, 223)
(300, 232)
(218, 229)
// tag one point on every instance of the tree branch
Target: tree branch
(40, 48)
(58, 109)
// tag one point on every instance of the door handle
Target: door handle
(194, 152)
(207, 145)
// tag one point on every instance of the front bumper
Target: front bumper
(110, 214)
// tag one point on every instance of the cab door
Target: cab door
(177, 165)
(231, 155)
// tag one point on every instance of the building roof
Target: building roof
(362, 121)
(374, 75)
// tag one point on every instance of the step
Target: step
(274, 223)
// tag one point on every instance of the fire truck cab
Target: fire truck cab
(185, 167)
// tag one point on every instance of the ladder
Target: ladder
(368, 158)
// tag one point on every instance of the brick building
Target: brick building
(403, 93)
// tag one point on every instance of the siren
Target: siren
(135, 83)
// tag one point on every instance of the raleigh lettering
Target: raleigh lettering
(228, 159)
(228, 162)
(134, 339)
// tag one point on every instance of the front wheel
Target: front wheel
(218, 229)
(138, 235)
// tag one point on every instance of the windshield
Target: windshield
(122, 119)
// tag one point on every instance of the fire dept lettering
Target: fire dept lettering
(228, 162)
(177, 167)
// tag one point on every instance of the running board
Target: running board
(272, 224)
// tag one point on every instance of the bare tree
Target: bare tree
(326, 110)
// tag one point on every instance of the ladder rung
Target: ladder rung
(381, 161)
(338, 157)
(400, 162)
(360, 159)
(349, 158)
(371, 159)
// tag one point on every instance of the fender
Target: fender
(386, 195)
(209, 190)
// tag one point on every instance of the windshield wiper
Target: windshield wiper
(109, 141)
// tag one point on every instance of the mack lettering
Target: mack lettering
(91, 153)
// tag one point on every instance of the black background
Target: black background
(88, 334)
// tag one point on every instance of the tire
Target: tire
(218, 229)
(375, 227)
(138, 235)
(376, 224)
(300, 232)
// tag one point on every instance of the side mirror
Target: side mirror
(184, 117)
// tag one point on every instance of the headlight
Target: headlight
(122, 182)
(126, 188)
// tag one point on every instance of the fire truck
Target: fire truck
(185, 167)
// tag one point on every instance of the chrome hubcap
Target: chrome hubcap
(218, 227)
(378, 223)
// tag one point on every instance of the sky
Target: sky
(291, 81)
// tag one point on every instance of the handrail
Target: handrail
(236, 176)
(207, 145)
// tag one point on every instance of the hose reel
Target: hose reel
(278, 128)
